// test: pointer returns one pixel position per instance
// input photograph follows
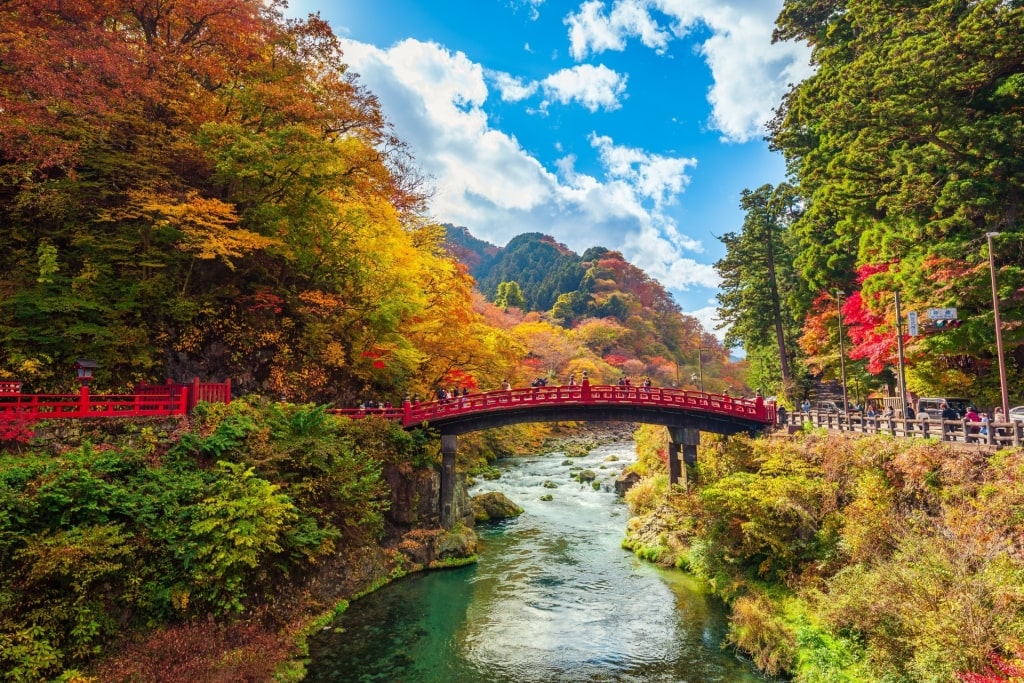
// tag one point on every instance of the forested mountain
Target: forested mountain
(553, 278)
(542, 267)
(607, 307)
(905, 151)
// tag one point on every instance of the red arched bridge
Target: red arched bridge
(684, 413)
(669, 407)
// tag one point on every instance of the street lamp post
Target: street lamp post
(999, 327)
(842, 352)
(700, 367)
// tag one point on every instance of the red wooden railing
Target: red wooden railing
(145, 401)
(410, 415)
(211, 392)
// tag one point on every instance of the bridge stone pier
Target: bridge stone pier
(684, 469)
(449, 445)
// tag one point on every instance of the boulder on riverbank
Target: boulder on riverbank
(625, 482)
(493, 505)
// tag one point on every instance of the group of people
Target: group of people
(572, 378)
(446, 396)
(889, 412)
(972, 415)
(373, 404)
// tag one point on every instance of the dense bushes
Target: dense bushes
(149, 531)
(861, 559)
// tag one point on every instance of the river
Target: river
(553, 598)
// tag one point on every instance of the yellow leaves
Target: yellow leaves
(323, 303)
(334, 355)
(207, 228)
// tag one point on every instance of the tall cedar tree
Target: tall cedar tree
(759, 285)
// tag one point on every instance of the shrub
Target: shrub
(756, 628)
(646, 495)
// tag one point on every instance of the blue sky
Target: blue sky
(632, 125)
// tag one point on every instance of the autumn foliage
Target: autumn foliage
(205, 190)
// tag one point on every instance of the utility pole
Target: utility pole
(999, 327)
(842, 353)
(901, 378)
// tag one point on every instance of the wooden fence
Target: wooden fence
(996, 434)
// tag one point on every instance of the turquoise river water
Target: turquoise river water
(553, 598)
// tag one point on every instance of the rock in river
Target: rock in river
(493, 505)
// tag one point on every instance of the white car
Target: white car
(1017, 414)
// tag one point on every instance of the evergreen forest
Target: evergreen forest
(905, 160)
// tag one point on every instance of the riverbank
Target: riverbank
(850, 559)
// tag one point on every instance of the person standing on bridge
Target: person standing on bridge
(572, 379)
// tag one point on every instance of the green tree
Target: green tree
(242, 520)
(759, 287)
(509, 295)
(907, 145)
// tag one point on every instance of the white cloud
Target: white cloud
(533, 5)
(512, 89)
(654, 176)
(488, 182)
(595, 87)
(750, 73)
(708, 317)
(591, 30)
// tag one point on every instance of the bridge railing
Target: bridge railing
(997, 434)
(147, 400)
(513, 399)
(34, 407)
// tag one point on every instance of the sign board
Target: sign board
(942, 314)
(912, 326)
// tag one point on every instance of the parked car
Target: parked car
(932, 406)
(829, 407)
(1017, 414)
